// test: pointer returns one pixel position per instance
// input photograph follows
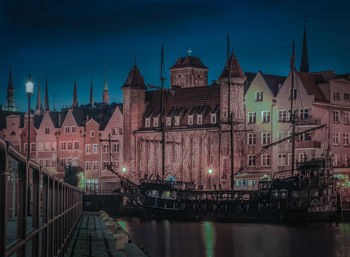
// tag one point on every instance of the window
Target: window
(251, 160)
(105, 148)
(17, 147)
(41, 162)
(105, 165)
(33, 147)
(177, 121)
(304, 114)
(76, 145)
(67, 129)
(116, 147)
(73, 129)
(280, 135)
(336, 138)
(54, 146)
(190, 120)
(258, 96)
(114, 131)
(302, 157)
(346, 97)
(265, 160)
(25, 147)
(336, 96)
(87, 148)
(213, 118)
(294, 93)
(147, 123)
(346, 140)
(63, 145)
(265, 116)
(63, 161)
(336, 116)
(265, 138)
(346, 117)
(281, 159)
(47, 131)
(47, 146)
(336, 160)
(47, 163)
(155, 122)
(168, 121)
(304, 136)
(95, 165)
(88, 165)
(199, 119)
(251, 139)
(53, 163)
(346, 160)
(282, 115)
(251, 117)
(120, 131)
(70, 145)
(92, 133)
(95, 148)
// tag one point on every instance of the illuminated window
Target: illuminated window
(258, 96)
(346, 140)
(251, 117)
(87, 148)
(251, 160)
(265, 160)
(281, 159)
(336, 116)
(265, 116)
(213, 118)
(147, 123)
(265, 138)
(190, 120)
(336, 96)
(336, 138)
(199, 119)
(251, 138)
(155, 122)
(282, 115)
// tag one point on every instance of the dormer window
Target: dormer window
(199, 119)
(190, 120)
(147, 123)
(155, 122)
(213, 118)
(67, 129)
(177, 121)
(258, 96)
(47, 130)
(168, 121)
(73, 129)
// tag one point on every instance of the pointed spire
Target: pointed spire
(106, 84)
(91, 95)
(135, 80)
(10, 94)
(232, 70)
(39, 107)
(75, 96)
(46, 99)
(135, 61)
(304, 67)
(10, 78)
(228, 46)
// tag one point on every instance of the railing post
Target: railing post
(23, 171)
(44, 241)
(36, 211)
(3, 199)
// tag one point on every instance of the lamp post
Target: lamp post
(29, 91)
(124, 169)
(210, 171)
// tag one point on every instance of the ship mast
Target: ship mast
(162, 112)
(292, 113)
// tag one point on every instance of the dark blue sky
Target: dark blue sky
(63, 37)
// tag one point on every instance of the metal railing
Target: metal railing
(55, 208)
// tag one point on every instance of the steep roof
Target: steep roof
(232, 69)
(273, 81)
(189, 61)
(135, 80)
(310, 81)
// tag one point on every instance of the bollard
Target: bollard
(121, 239)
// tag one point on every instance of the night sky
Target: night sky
(63, 37)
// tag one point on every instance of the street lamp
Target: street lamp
(210, 171)
(29, 91)
(124, 169)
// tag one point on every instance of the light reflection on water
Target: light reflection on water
(213, 239)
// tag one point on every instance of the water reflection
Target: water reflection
(208, 238)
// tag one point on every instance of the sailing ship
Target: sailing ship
(307, 192)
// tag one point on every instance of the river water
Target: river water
(214, 239)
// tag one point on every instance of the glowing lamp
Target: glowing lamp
(124, 169)
(210, 171)
(29, 86)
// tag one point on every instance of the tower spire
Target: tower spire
(105, 98)
(75, 96)
(304, 67)
(228, 46)
(10, 94)
(39, 107)
(91, 95)
(46, 99)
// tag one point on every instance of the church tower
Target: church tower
(39, 107)
(105, 97)
(304, 66)
(133, 110)
(189, 72)
(10, 96)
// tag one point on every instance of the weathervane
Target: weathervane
(189, 52)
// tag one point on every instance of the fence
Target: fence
(54, 208)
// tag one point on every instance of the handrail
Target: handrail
(57, 203)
